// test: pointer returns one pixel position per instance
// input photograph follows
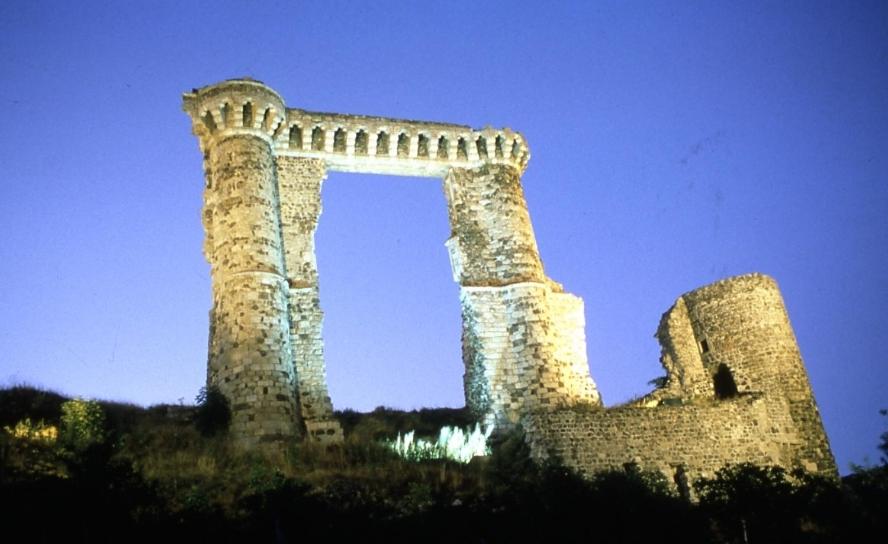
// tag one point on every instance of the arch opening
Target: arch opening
(361, 142)
(247, 115)
(723, 383)
(443, 147)
(382, 344)
(339, 140)
(209, 122)
(317, 139)
(422, 146)
(382, 144)
(481, 144)
(403, 144)
(462, 152)
(295, 137)
(268, 120)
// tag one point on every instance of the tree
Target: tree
(213, 411)
(750, 503)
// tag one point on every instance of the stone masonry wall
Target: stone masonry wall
(515, 354)
(744, 323)
(250, 357)
(492, 237)
(698, 438)
(523, 340)
(739, 324)
(300, 182)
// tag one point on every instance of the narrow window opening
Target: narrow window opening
(725, 386)
(339, 140)
(498, 147)
(382, 144)
(295, 137)
(443, 147)
(403, 145)
(267, 120)
(422, 148)
(481, 144)
(209, 122)
(317, 139)
(361, 142)
(224, 111)
(248, 115)
(704, 346)
(516, 149)
(462, 152)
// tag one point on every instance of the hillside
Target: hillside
(96, 472)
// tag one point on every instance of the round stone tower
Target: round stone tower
(747, 346)
(250, 354)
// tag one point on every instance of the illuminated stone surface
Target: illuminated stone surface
(690, 425)
(736, 389)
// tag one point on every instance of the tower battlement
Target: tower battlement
(349, 143)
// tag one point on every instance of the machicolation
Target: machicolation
(736, 389)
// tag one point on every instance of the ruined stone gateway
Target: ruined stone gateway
(736, 388)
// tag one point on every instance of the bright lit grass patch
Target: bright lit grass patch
(35, 432)
(453, 443)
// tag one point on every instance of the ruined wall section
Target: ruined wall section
(680, 355)
(492, 239)
(523, 343)
(695, 439)
(250, 356)
(300, 183)
(740, 326)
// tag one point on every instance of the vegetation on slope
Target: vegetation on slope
(116, 472)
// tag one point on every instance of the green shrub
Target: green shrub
(213, 412)
(82, 425)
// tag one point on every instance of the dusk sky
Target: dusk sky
(672, 143)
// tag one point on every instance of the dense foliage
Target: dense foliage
(127, 474)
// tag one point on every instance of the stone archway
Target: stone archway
(523, 336)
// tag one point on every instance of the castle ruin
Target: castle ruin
(736, 388)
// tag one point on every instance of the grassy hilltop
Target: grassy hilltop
(88, 471)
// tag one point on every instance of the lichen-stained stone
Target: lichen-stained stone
(735, 389)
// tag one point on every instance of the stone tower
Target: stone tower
(736, 391)
(523, 336)
(733, 338)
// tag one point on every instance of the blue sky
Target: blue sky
(672, 144)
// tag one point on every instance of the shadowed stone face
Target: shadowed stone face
(735, 388)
